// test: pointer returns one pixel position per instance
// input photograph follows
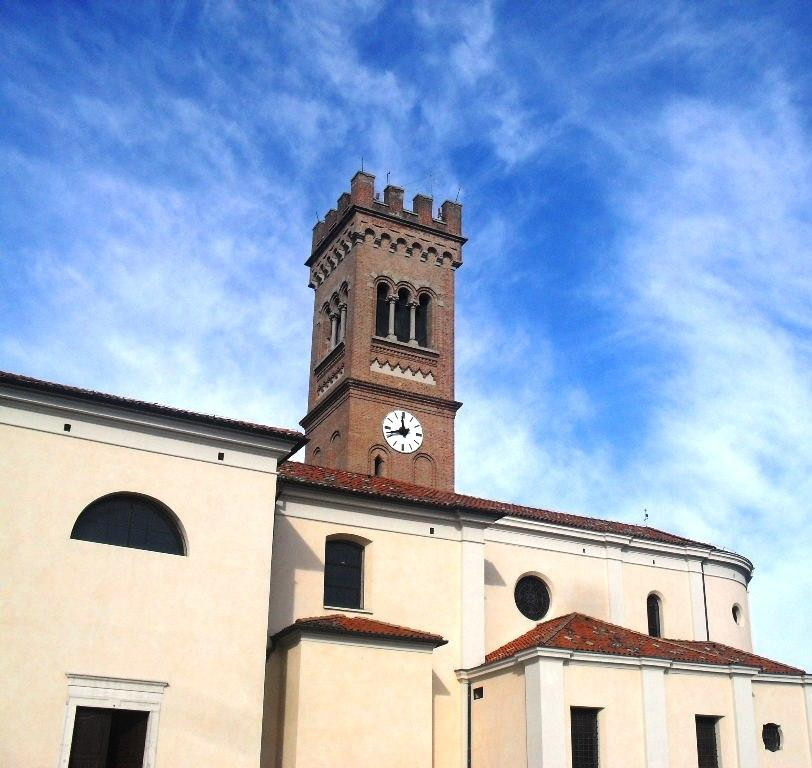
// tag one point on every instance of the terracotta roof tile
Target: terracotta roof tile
(50, 387)
(396, 490)
(577, 632)
(360, 626)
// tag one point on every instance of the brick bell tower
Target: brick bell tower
(381, 398)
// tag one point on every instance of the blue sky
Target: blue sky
(635, 307)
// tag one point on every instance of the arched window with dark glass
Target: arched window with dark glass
(654, 610)
(382, 310)
(130, 520)
(343, 574)
(422, 320)
(378, 466)
(402, 316)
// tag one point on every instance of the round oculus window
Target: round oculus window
(532, 597)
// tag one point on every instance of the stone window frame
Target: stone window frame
(113, 693)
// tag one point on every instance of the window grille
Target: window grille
(532, 597)
(343, 571)
(706, 748)
(771, 736)
(653, 608)
(584, 735)
(129, 520)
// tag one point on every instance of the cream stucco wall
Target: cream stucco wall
(196, 622)
(498, 720)
(782, 704)
(611, 580)
(689, 694)
(356, 702)
(411, 578)
(723, 593)
(617, 693)
(575, 583)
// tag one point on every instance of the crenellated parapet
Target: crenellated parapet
(362, 195)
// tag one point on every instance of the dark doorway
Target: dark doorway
(108, 738)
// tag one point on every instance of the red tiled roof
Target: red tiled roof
(577, 632)
(360, 626)
(49, 387)
(396, 490)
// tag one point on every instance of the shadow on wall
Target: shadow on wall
(291, 554)
(492, 576)
(438, 687)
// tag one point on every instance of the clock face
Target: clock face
(402, 431)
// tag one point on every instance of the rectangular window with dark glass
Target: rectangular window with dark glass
(584, 736)
(706, 747)
(343, 574)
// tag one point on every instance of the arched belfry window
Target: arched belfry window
(130, 520)
(343, 574)
(378, 466)
(422, 320)
(654, 609)
(402, 316)
(382, 310)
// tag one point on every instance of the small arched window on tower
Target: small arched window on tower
(382, 310)
(654, 610)
(378, 466)
(402, 316)
(422, 318)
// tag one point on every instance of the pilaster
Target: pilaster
(808, 702)
(614, 578)
(545, 712)
(744, 712)
(655, 714)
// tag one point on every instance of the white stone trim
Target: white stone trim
(545, 720)
(609, 660)
(139, 430)
(472, 597)
(655, 717)
(614, 578)
(113, 693)
(336, 638)
(745, 719)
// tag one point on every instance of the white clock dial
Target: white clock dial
(402, 431)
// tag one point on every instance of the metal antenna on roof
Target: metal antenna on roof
(362, 162)
(387, 178)
(645, 516)
(457, 198)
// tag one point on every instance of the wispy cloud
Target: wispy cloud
(634, 310)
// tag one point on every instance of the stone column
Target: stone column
(333, 329)
(545, 713)
(412, 323)
(746, 739)
(343, 322)
(655, 716)
(392, 301)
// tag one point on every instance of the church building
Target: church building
(178, 591)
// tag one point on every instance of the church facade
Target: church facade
(179, 591)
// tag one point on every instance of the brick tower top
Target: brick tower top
(381, 395)
(362, 193)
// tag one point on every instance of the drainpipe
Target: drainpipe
(468, 745)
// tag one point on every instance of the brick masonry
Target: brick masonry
(354, 384)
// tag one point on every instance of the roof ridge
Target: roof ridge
(362, 483)
(567, 620)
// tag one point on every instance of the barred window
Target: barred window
(584, 736)
(771, 736)
(706, 747)
(532, 597)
